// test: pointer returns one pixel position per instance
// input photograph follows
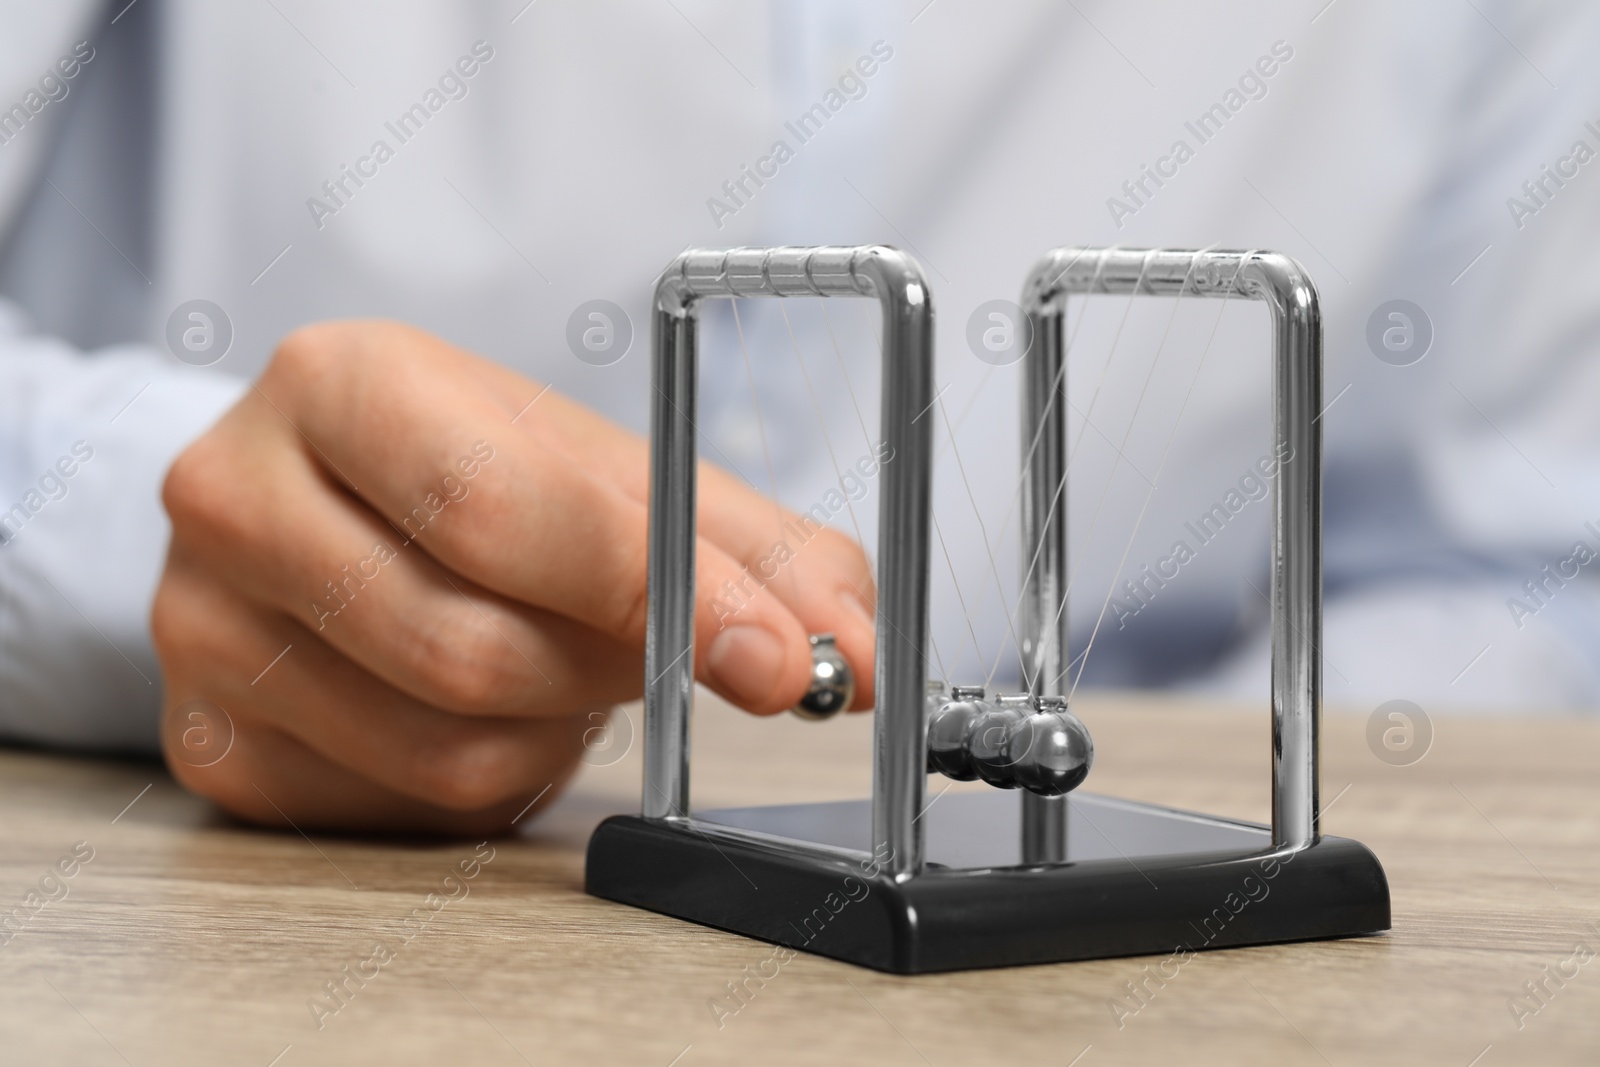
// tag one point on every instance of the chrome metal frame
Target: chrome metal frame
(895, 279)
(1297, 498)
(973, 904)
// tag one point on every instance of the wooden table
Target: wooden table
(187, 939)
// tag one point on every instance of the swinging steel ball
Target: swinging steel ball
(833, 684)
(988, 738)
(1050, 752)
(948, 728)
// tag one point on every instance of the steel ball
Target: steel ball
(1050, 752)
(948, 728)
(833, 683)
(988, 738)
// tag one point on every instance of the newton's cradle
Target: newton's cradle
(1029, 872)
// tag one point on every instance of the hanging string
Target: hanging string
(1057, 498)
(761, 421)
(866, 437)
(1013, 506)
(1166, 451)
(816, 408)
(983, 532)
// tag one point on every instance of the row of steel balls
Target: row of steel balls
(1031, 742)
(1028, 742)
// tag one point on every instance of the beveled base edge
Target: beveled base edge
(949, 920)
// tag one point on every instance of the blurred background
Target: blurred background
(1430, 164)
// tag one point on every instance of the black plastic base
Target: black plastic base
(1138, 880)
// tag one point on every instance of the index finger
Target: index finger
(405, 422)
(819, 574)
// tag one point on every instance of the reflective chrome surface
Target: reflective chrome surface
(833, 683)
(989, 736)
(1296, 594)
(949, 727)
(1050, 752)
(1013, 741)
(1042, 615)
(901, 751)
(896, 281)
(974, 830)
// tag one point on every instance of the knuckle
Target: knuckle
(632, 610)
(202, 782)
(209, 495)
(316, 350)
(225, 787)
(307, 350)
(167, 620)
(220, 782)
(843, 549)
(473, 772)
(463, 543)
(469, 667)
(627, 608)
(187, 490)
(180, 626)
(316, 359)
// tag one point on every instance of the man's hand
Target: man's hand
(454, 561)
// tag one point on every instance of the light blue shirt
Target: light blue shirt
(204, 151)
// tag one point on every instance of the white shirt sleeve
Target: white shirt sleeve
(84, 444)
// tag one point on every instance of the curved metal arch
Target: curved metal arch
(897, 282)
(1285, 286)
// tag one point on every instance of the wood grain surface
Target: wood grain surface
(189, 939)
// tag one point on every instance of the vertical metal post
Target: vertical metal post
(900, 730)
(669, 627)
(900, 726)
(1297, 501)
(1296, 554)
(1044, 622)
